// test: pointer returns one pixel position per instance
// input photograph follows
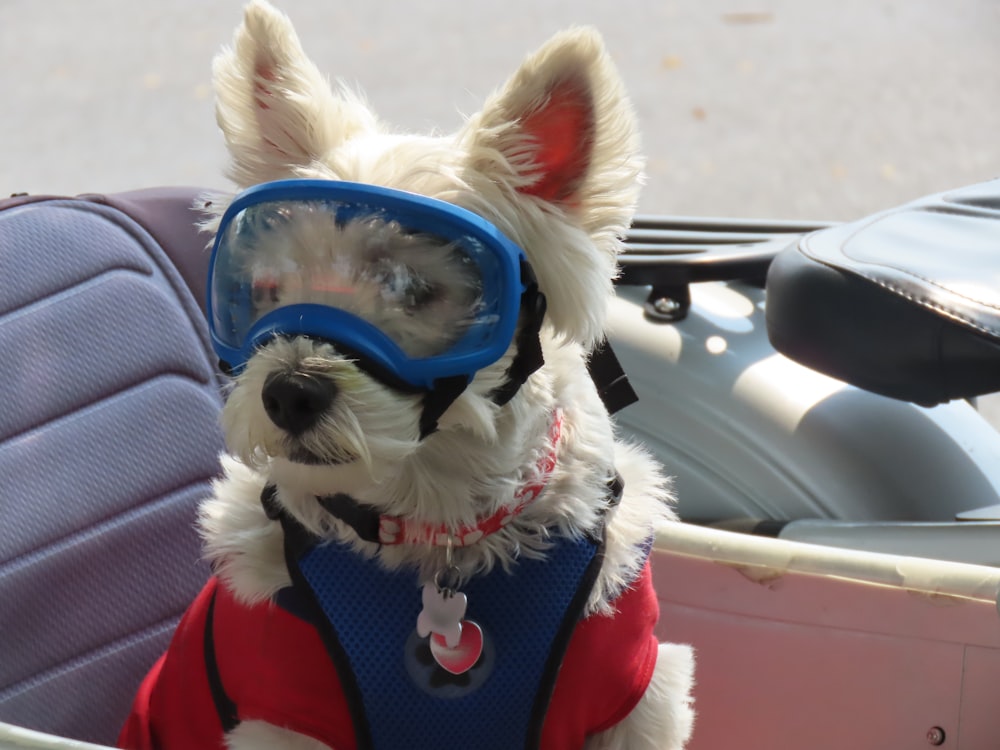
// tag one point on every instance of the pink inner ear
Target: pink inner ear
(262, 92)
(265, 73)
(563, 129)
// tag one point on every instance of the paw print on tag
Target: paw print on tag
(430, 677)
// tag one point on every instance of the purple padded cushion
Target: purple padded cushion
(109, 438)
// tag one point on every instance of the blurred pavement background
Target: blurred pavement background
(790, 108)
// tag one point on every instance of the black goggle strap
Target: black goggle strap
(438, 399)
(529, 346)
(612, 383)
(528, 359)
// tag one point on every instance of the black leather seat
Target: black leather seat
(905, 303)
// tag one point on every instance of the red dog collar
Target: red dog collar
(380, 528)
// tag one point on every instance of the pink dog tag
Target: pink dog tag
(463, 657)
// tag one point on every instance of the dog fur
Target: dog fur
(282, 119)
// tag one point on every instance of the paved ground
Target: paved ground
(796, 108)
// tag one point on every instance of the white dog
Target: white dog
(355, 480)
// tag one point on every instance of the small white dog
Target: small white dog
(421, 538)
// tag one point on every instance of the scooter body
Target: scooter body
(751, 434)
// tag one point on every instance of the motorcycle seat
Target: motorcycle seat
(905, 303)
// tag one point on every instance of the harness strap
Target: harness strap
(224, 706)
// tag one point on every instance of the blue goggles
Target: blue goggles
(420, 288)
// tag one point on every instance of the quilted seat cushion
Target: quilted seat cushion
(108, 439)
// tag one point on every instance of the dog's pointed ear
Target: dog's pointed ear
(560, 138)
(562, 129)
(276, 110)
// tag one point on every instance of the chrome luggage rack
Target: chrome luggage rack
(669, 253)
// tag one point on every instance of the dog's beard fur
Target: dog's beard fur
(366, 423)
(370, 435)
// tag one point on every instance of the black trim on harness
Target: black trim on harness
(572, 616)
(226, 709)
(298, 540)
(364, 519)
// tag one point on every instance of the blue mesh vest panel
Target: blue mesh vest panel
(408, 701)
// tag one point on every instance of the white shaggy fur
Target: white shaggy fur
(258, 735)
(281, 119)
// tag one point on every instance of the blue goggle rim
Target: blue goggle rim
(415, 212)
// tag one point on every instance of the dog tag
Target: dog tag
(442, 614)
(461, 657)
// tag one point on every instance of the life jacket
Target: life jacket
(336, 657)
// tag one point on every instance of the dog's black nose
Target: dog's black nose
(294, 401)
